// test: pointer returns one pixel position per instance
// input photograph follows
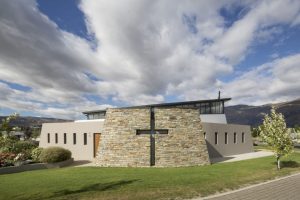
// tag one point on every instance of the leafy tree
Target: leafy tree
(5, 126)
(274, 132)
(254, 132)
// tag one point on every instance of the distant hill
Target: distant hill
(253, 115)
(238, 114)
(33, 121)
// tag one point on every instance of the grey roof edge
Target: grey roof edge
(164, 104)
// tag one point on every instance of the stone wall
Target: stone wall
(119, 144)
(184, 144)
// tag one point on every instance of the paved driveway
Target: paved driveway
(287, 188)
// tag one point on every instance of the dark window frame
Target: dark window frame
(243, 137)
(234, 138)
(65, 138)
(216, 138)
(226, 138)
(48, 138)
(85, 139)
(56, 138)
(74, 138)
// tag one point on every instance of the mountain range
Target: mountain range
(253, 115)
(238, 114)
(28, 121)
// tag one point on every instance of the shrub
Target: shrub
(35, 154)
(6, 159)
(21, 146)
(54, 154)
(7, 144)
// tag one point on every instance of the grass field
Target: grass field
(141, 183)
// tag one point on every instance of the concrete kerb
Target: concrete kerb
(245, 188)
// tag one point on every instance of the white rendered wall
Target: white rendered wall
(213, 118)
(221, 149)
(79, 150)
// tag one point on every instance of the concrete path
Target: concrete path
(286, 188)
(244, 156)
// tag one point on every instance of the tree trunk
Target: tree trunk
(278, 162)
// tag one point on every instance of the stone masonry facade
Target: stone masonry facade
(184, 145)
(120, 146)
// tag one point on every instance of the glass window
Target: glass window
(234, 138)
(65, 138)
(226, 138)
(48, 137)
(74, 138)
(243, 137)
(56, 138)
(216, 137)
(84, 138)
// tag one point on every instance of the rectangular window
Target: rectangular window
(74, 138)
(216, 137)
(204, 135)
(65, 138)
(234, 138)
(226, 138)
(243, 137)
(84, 138)
(56, 138)
(48, 137)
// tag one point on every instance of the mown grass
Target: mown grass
(141, 183)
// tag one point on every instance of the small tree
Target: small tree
(5, 126)
(274, 132)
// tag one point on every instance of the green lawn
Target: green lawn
(141, 183)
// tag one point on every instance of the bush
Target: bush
(7, 144)
(35, 154)
(54, 154)
(14, 145)
(6, 159)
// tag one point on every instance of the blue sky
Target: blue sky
(59, 58)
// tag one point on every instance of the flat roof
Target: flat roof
(166, 104)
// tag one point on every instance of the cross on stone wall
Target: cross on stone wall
(152, 132)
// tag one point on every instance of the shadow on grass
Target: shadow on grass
(288, 164)
(94, 187)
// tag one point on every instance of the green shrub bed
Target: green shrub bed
(54, 154)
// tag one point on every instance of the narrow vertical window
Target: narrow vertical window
(204, 135)
(74, 138)
(216, 137)
(65, 138)
(48, 137)
(226, 138)
(56, 138)
(234, 138)
(84, 138)
(243, 137)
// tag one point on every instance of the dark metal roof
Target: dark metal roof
(167, 104)
(94, 111)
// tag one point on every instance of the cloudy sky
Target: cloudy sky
(59, 58)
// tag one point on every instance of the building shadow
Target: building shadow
(80, 162)
(212, 152)
(220, 159)
(98, 187)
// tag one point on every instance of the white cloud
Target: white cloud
(147, 50)
(272, 82)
